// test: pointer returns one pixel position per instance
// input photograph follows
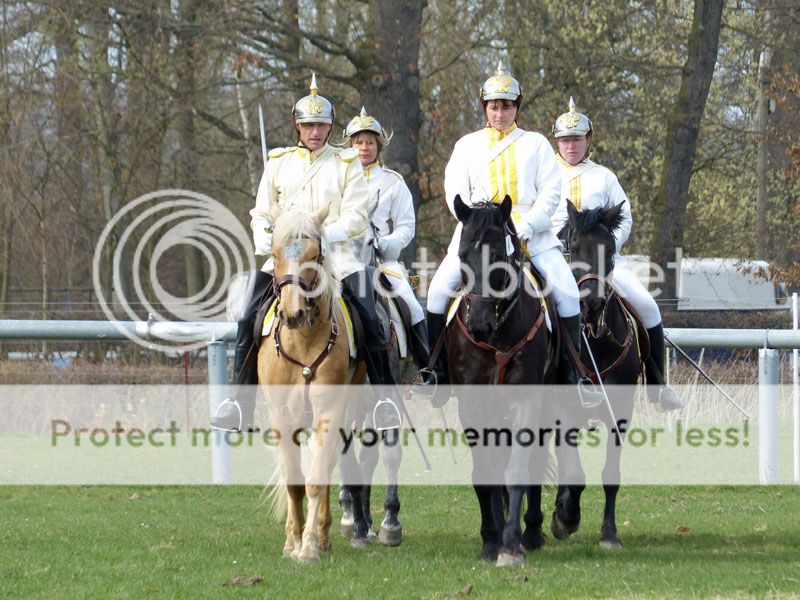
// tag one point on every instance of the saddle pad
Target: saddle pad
(269, 322)
(399, 328)
(536, 286)
(269, 319)
(348, 323)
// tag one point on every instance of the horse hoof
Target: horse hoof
(507, 559)
(611, 544)
(390, 536)
(371, 535)
(309, 559)
(561, 530)
(488, 553)
(347, 529)
(361, 542)
(533, 541)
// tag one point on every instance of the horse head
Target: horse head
(490, 253)
(592, 246)
(303, 281)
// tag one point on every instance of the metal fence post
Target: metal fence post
(768, 369)
(217, 391)
(796, 395)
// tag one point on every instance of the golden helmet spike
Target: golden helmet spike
(572, 123)
(313, 108)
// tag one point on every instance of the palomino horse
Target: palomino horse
(302, 364)
(613, 342)
(499, 338)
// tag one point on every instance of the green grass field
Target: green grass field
(207, 542)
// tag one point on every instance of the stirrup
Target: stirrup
(230, 429)
(391, 416)
(589, 394)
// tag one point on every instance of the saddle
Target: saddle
(642, 338)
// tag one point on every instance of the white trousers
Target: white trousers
(402, 288)
(550, 263)
(634, 292)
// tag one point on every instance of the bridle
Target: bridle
(502, 357)
(309, 287)
(470, 297)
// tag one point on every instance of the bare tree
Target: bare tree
(683, 130)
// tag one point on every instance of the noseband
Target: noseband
(308, 287)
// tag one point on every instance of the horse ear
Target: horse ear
(274, 211)
(612, 216)
(322, 214)
(462, 210)
(505, 207)
(572, 212)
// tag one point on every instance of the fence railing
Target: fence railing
(216, 335)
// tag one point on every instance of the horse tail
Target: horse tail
(277, 496)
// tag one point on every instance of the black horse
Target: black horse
(612, 334)
(498, 336)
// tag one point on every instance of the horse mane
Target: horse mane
(587, 221)
(483, 215)
(296, 225)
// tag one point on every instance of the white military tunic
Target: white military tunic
(522, 166)
(390, 200)
(338, 179)
(588, 186)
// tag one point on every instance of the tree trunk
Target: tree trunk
(188, 52)
(391, 94)
(683, 129)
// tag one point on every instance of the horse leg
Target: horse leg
(511, 554)
(391, 532)
(309, 553)
(368, 459)
(325, 521)
(353, 483)
(295, 521)
(346, 502)
(533, 538)
(611, 478)
(567, 515)
(490, 502)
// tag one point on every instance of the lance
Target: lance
(263, 135)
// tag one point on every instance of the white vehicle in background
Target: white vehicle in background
(721, 284)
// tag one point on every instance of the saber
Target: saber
(603, 389)
(263, 135)
(707, 377)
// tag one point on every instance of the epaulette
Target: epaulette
(276, 152)
(393, 172)
(348, 154)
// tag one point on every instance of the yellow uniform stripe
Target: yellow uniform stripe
(503, 169)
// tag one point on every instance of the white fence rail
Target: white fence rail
(217, 334)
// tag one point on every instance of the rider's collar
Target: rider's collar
(368, 168)
(310, 154)
(568, 166)
(496, 135)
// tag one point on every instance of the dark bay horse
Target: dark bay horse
(498, 338)
(612, 337)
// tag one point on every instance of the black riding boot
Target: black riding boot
(657, 389)
(419, 344)
(568, 373)
(358, 287)
(237, 412)
(436, 328)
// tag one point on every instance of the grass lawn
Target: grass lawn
(207, 542)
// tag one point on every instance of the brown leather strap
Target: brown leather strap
(502, 358)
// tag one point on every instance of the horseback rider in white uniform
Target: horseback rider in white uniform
(588, 186)
(305, 177)
(502, 159)
(392, 220)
